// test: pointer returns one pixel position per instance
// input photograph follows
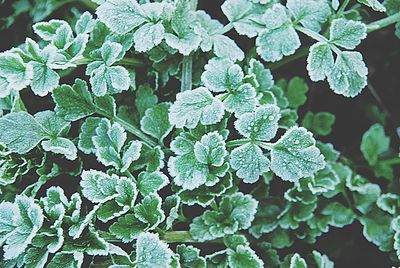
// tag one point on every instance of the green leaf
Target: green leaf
(14, 74)
(192, 107)
(320, 61)
(241, 100)
(121, 16)
(61, 146)
(297, 262)
(189, 256)
(211, 149)
(151, 182)
(279, 37)
(311, 14)
(221, 75)
(127, 228)
(149, 211)
(97, 186)
(155, 121)
(322, 261)
(145, 99)
(19, 223)
(54, 125)
(105, 78)
(20, 132)
(108, 141)
(349, 74)
(152, 252)
(36, 257)
(244, 256)
(249, 161)
(347, 33)
(148, 36)
(88, 130)
(66, 260)
(73, 103)
(261, 124)
(131, 154)
(263, 76)
(296, 92)
(319, 123)
(374, 142)
(295, 155)
(47, 30)
(388, 202)
(374, 4)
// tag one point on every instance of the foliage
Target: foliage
(112, 166)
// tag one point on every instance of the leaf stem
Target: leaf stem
(186, 81)
(342, 8)
(393, 161)
(226, 28)
(382, 23)
(183, 237)
(235, 143)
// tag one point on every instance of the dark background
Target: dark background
(381, 51)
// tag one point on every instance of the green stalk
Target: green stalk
(186, 81)
(342, 8)
(235, 143)
(393, 161)
(379, 24)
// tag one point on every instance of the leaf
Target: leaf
(189, 256)
(349, 75)
(311, 14)
(297, 262)
(261, 124)
(263, 76)
(221, 75)
(47, 30)
(279, 37)
(244, 256)
(241, 100)
(131, 154)
(61, 146)
(192, 107)
(151, 182)
(295, 155)
(68, 260)
(374, 142)
(105, 78)
(155, 121)
(148, 36)
(145, 99)
(108, 141)
(322, 261)
(249, 161)
(19, 223)
(374, 4)
(98, 186)
(88, 130)
(319, 123)
(14, 74)
(127, 228)
(211, 149)
(388, 202)
(121, 16)
(85, 24)
(319, 61)
(20, 132)
(149, 211)
(296, 92)
(152, 252)
(73, 103)
(347, 33)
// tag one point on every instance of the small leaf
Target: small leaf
(221, 75)
(192, 107)
(211, 149)
(14, 74)
(373, 143)
(148, 36)
(85, 24)
(88, 130)
(310, 13)
(151, 182)
(127, 228)
(244, 256)
(155, 121)
(241, 100)
(61, 146)
(98, 186)
(295, 155)
(319, 123)
(152, 252)
(374, 4)
(149, 211)
(319, 61)
(296, 92)
(131, 154)
(189, 256)
(347, 33)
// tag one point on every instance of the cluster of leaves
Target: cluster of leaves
(138, 162)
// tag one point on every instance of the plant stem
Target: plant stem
(298, 55)
(342, 8)
(89, 4)
(379, 24)
(393, 161)
(235, 143)
(124, 61)
(184, 237)
(135, 131)
(226, 28)
(186, 83)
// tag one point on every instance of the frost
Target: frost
(320, 61)
(211, 149)
(310, 13)
(14, 74)
(155, 121)
(152, 252)
(221, 75)
(347, 33)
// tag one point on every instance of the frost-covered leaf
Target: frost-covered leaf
(73, 103)
(121, 16)
(149, 210)
(151, 182)
(131, 154)
(322, 261)
(249, 161)
(105, 78)
(241, 100)
(221, 75)
(20, 132)
(245, 16)
(189, 256)
(14, 74)
(61, 146)
(19, 223)
(192, 107)
(297, 262)
(67, 260)
(373, 143)
(296, 92)
(98, 186)
(148, 36)
(388, 202)
(261, 124)
(263, 76)
(85, 23)
(127, 228)
(88, 130)
(310, 13)
(374, 4)
(211, 149)
(347, 33)
(349, 74)
(155, 121)
(244, 256)
(47, 30)
(295, 155)
(320, 61)
(152, 252)
(279, 37)
(319, 123)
